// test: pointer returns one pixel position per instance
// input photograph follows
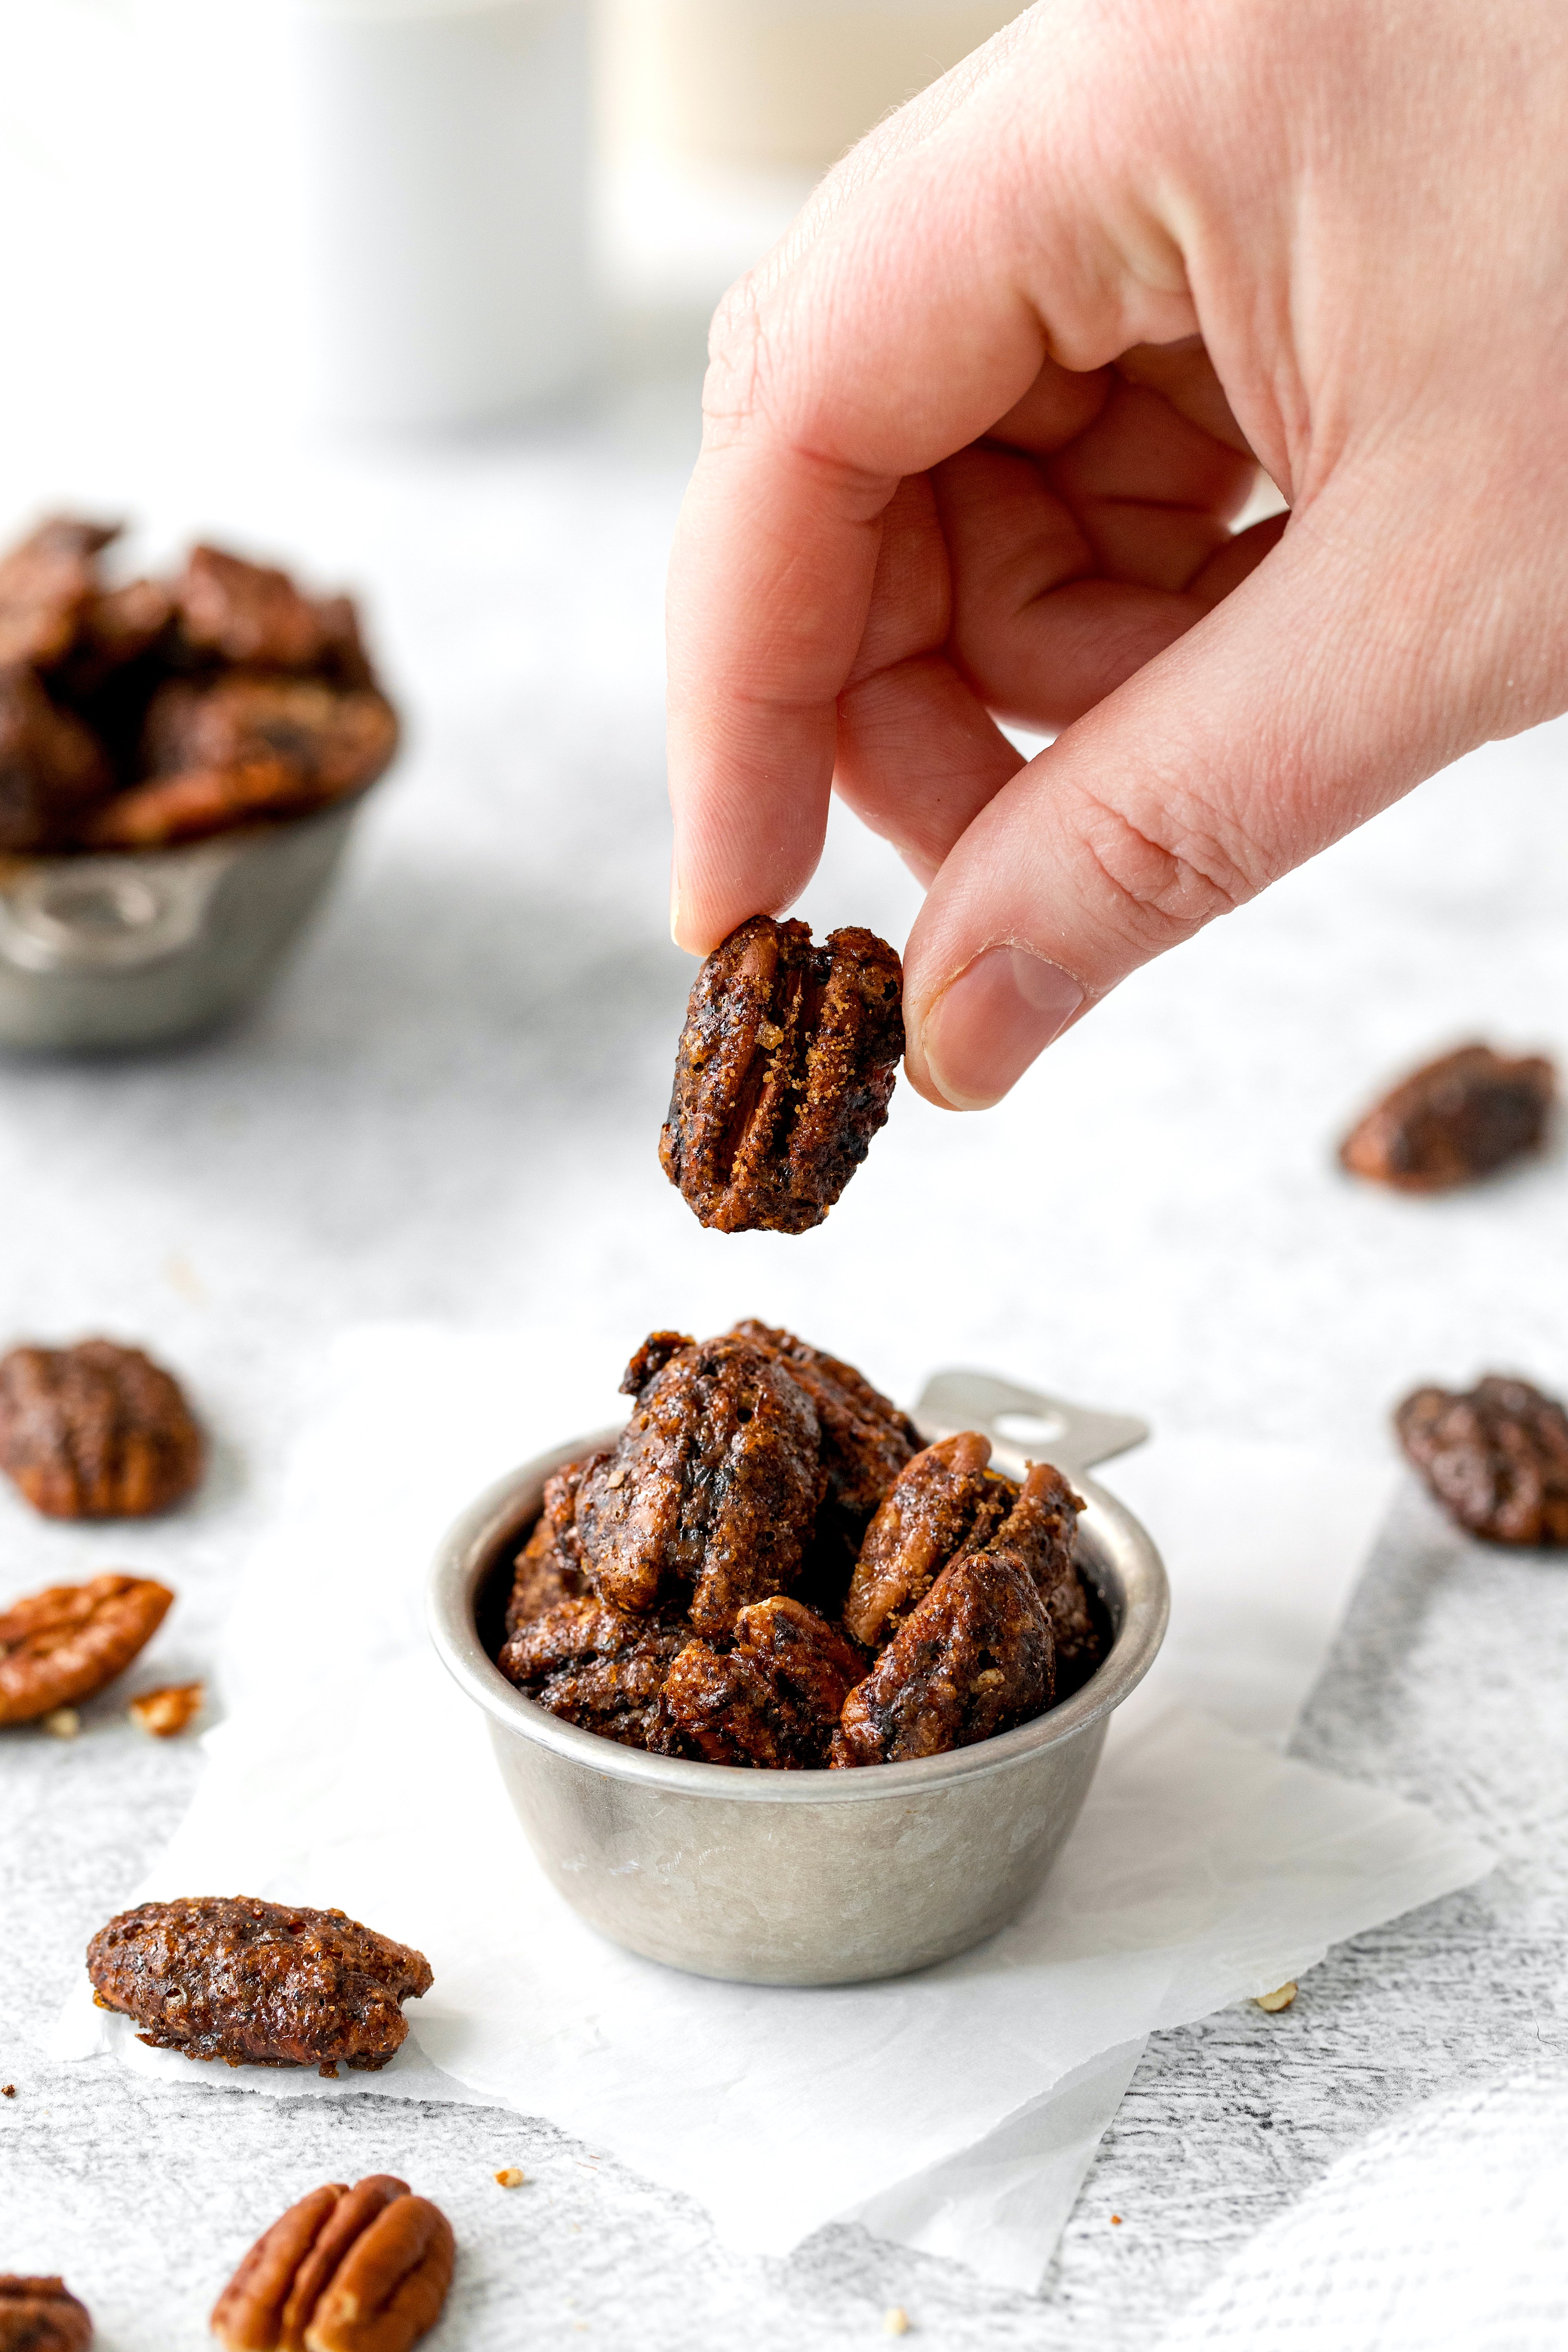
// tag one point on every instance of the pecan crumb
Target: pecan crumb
(165, 1713)
(346, 2270)
(895, 2321)
(1275, 2001)
(62, 1723)
(511, 2175)
(7, 2090)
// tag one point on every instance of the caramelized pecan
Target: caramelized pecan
(198, 801)
(943, 1502)
(976, 1657)
(51, 766)
(1039, 1530)
(96, 1432)
(336, 737)
(785, 1068)
(46, 584)
(249, 615)
(346, 2270)
(597, 1666)
(549, 1568)
(710, 1491)
(40, 2315)
(264, 1984)
(773, 1701)
(1496, 1457)
(1458, 1118)
(60, 1646)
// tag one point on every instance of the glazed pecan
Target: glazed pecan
(262, 1984)
(165, 1714)
(786, 1065)
(711, 1491)
(1457, 1119)
(774, 1700)
(336, 738)
(249, 615)
(944, 1502)
(62, 1645)
(976, 1657)
(1039, 1530)
(40, 2315)
(96, 1432)
(196, 803)
(595, 1665)
(1496, 1457)
(45, 585)
(549, 1568)
(346, 2270)
(51, 766)
(866, 1441)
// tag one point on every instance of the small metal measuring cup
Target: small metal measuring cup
(810, 1878)
(136, 947)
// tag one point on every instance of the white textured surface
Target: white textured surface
(450, 1108)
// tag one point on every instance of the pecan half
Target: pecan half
(248, 613)
(51, 766)
(711, 1489)
(198, 801)
(597, 1666)
(336, 737)
(785, 1068)
(974, 1658)
(256, 1983)
(346, 2270)
(549, 1568)
(64, 1644)
(943, 1502)
(96, 1432)
(46, 583)
(1039, 1530)
(774, 1700)
(1496, 1457)
(40, 2315)
(1458, 1118)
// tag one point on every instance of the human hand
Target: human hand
(975, 434)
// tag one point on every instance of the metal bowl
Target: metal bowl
(809, 1878)
(133, 948)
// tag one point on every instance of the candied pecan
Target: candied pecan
(165, 1714)
(41, 2315)
(711, 1489)
(1039, 1530)
(1457, 1118)
(262, 1984)
(198, 801)
(345, 2270)
(96, 1432)
(338, 737)
(595, 1665)
(786, 1065)
(46, 583)
(51, 766)
(1495, 1457)
(62, 1645)
(866, 1441)
(249, 614)
(117, 628)
(774, 1700)
(974, 1658)
(549, 1566)
(943, 1502)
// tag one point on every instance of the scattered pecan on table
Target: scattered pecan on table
(731, 1580)
(255, 1983)
(783, 1076)
(165, 1714)
(1456, 1120)
(96, 1432)
(65, 1644)
(41, 2315)
(136, 715)
(1495, 1457)
(345, 2270)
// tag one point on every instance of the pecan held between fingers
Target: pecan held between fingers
(1496, 1458)
(264, 1984)
(63, 1645)
(1458, 1118)
(346, 2270)
(783, 1076)
(96, 1432)
(41, 2315)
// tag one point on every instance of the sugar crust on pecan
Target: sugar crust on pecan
(786, 1065)
(96, 1432)
(1496, 1457)
(974, 1658)
(63, 1645)
(257, 1983)
(773, 1700)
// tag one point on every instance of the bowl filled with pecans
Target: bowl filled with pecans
(181, 761)
(787, 1685)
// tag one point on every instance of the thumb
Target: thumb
(1296, 709)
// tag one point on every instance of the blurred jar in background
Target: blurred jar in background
(788, 84)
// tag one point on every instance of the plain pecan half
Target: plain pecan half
(62, 1645)
(346, 2270)
(786, 1065)
(96, 1432)
(41, 2315)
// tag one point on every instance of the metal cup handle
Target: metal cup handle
(111, 913)
(1073, 1436)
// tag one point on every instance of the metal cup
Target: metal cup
(809, 1878)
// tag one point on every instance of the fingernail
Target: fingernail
(988, 1024)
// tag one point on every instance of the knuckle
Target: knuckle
(1166, 877)
(737, 367)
